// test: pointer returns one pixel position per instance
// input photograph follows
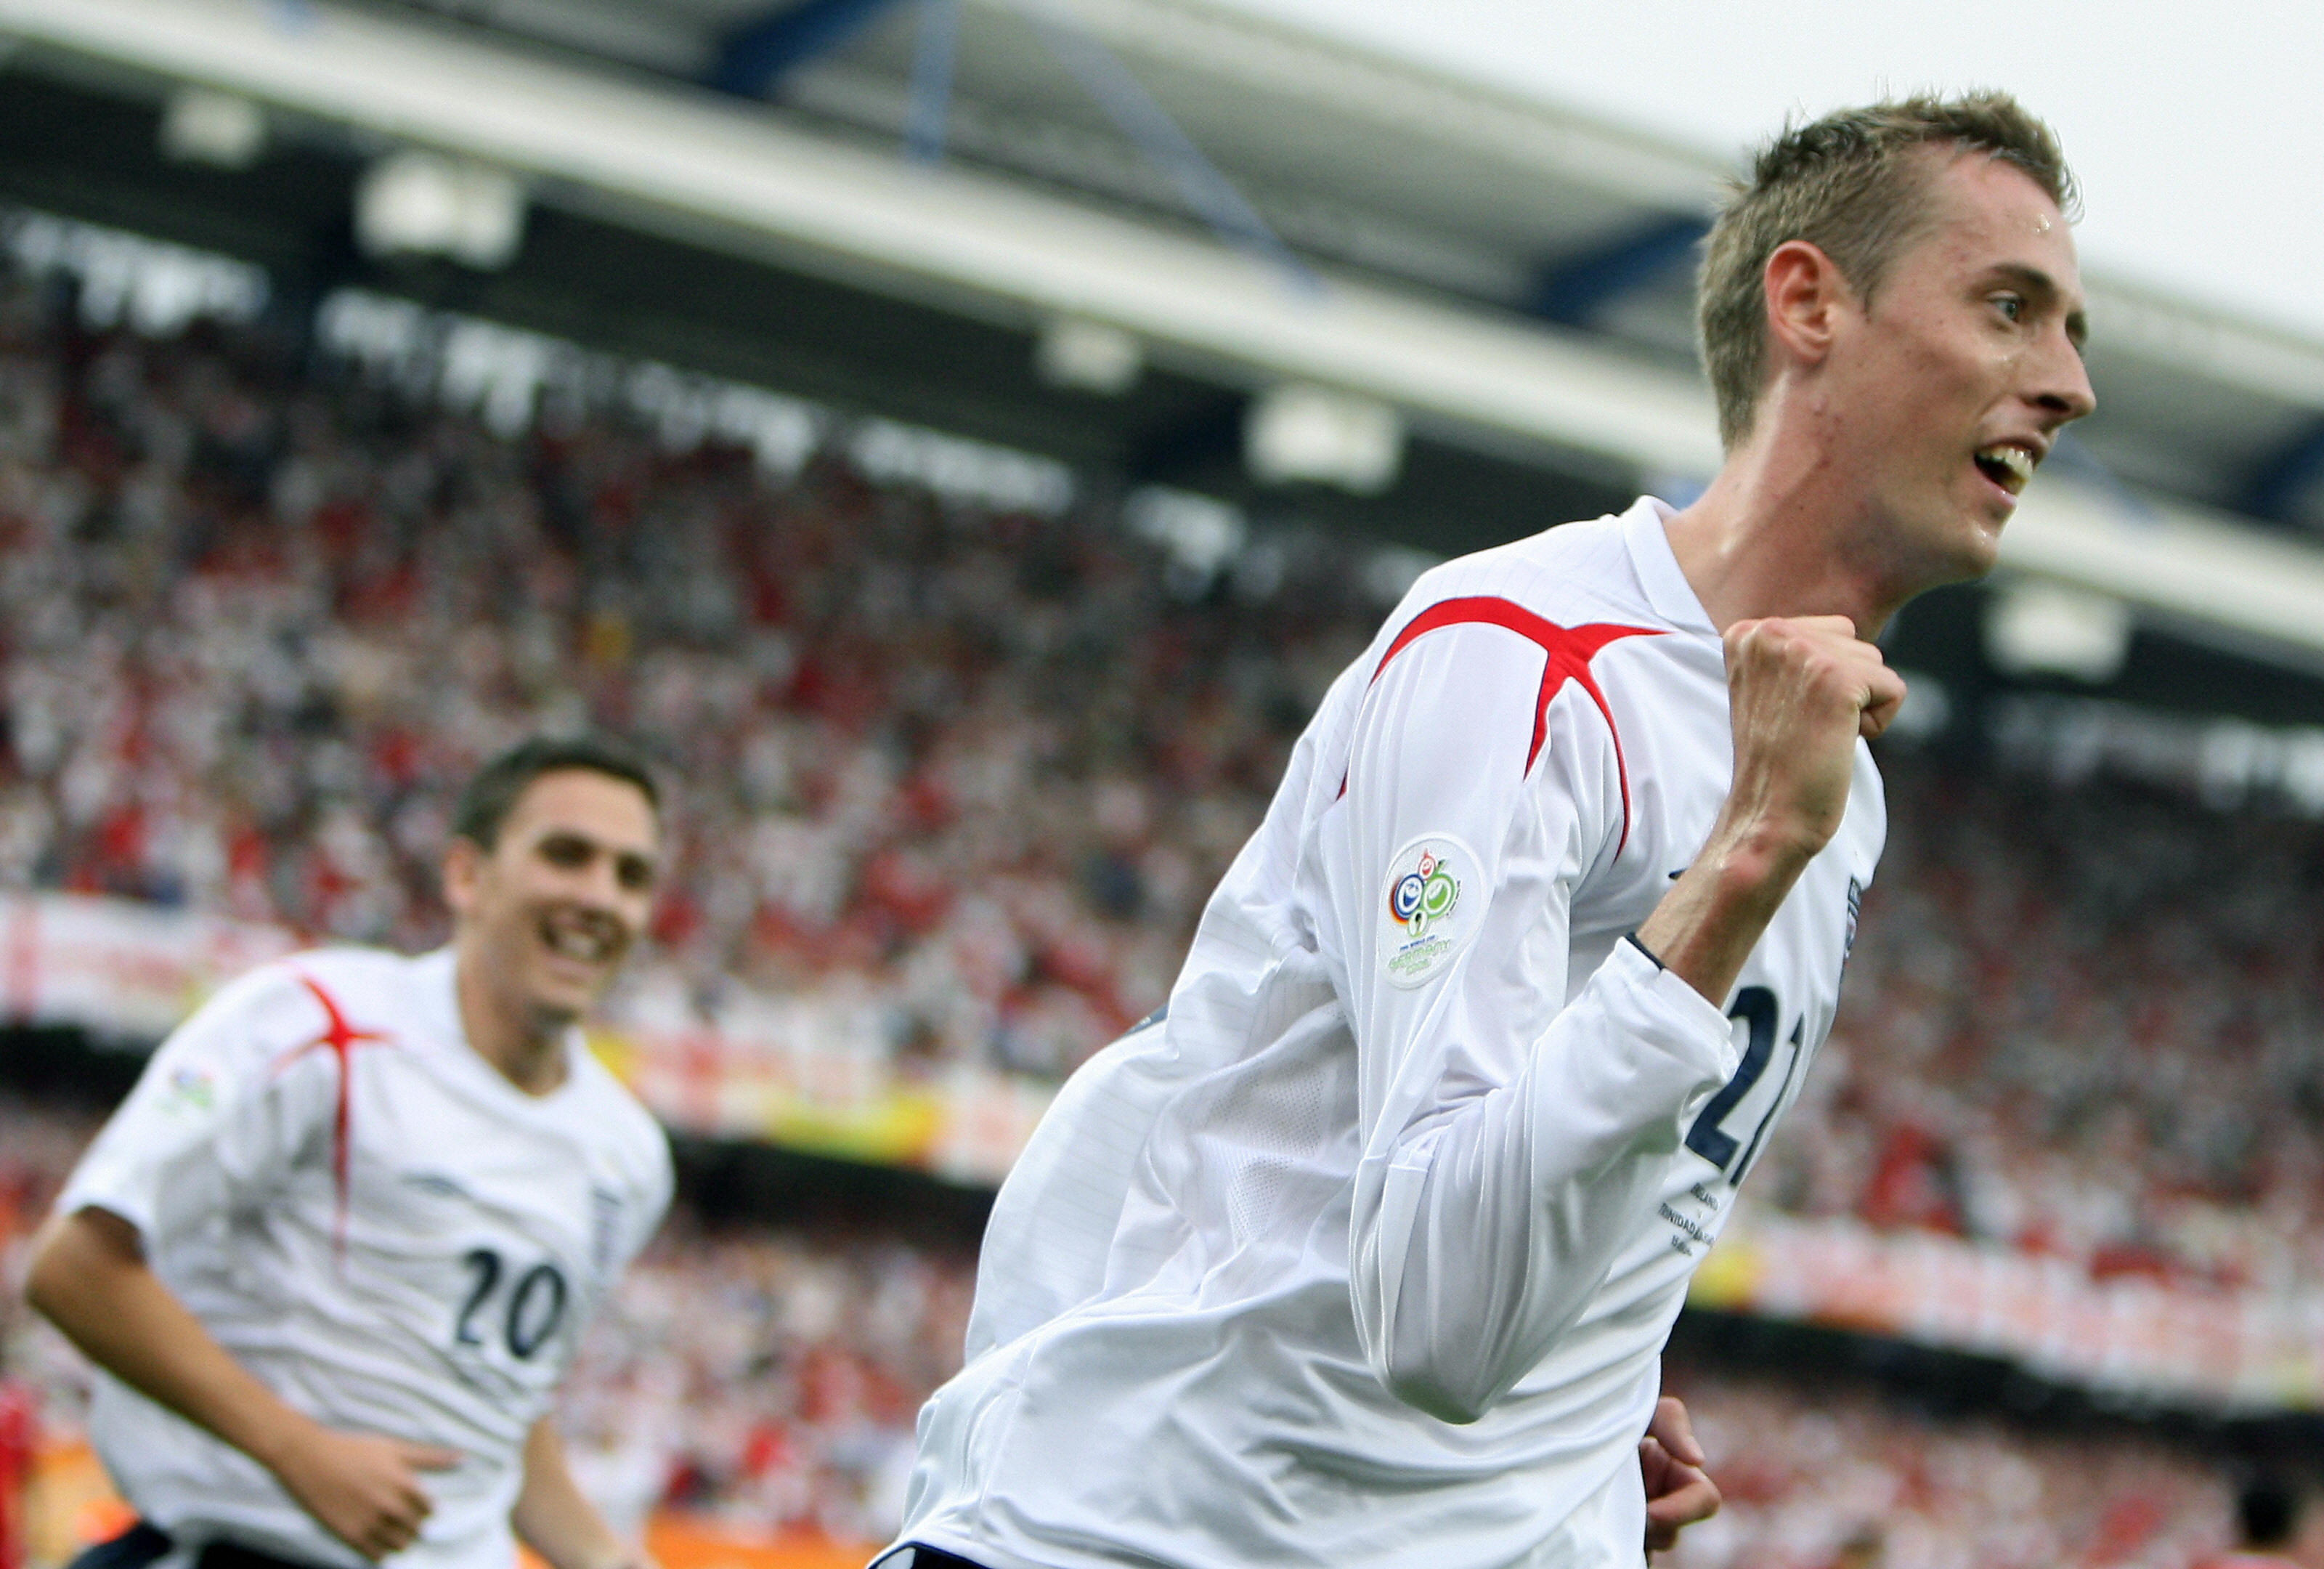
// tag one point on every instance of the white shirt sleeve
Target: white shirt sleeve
(224, 1107)
(1511, 1148)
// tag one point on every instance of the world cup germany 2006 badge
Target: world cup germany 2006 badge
(1428, 911)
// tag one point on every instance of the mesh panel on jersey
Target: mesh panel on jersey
(1277, 1121)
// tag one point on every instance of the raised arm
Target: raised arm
(1512, 1146)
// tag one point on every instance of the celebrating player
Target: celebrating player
(1365, 1253)
(335, 1249)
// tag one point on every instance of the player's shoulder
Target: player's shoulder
(1569, 574)
(373, 989)
(355, 968)
(295, 984)
(274, 1006)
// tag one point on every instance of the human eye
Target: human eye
(565, 850)
(2011, 306)
(635, 872)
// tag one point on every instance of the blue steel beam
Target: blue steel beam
(1136, 115)
(2285, 479)
(754, 56)
(1576, 288)
(931, 67)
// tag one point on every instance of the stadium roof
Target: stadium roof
(1254, 205)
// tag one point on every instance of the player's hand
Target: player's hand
(364, 1488)
(1679, 1491)
(1799, 692)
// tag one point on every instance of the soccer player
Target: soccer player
(333, 1251)
(1363, 1254)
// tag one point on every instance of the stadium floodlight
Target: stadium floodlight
(1088, 356)
(1297, 432)
(224, 130)
(2037, 627)
(417, 203)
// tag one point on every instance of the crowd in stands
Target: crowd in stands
(1824, 1473)
(261, 616)
(2085, 1022)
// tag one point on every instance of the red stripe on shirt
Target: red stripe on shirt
(1569, 651)
(340, 1040)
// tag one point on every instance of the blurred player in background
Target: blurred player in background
(2278, 1526)
(1365, 1252)
(336, 1247)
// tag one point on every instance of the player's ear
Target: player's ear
(464, 866)
(1805, 292)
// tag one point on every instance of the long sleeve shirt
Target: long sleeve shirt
(1363, 1254)
(388, 1233)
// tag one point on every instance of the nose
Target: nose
(599, 885)
(2062, 384)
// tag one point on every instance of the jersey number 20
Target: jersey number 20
(536, 1304)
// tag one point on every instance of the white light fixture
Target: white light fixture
(1088, 356)
(1200, 536)
(422, 204)
(2033, 627)
(1298, 431)
(1926, 710)
(224, 130)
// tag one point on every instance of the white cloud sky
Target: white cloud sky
(2195, 129)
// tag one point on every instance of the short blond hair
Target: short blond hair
(1849, 185)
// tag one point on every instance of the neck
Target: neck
(1778, 532)
(527, 1049)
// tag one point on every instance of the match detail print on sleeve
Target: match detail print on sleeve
(1433, 905)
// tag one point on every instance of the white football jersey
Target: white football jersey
(377, 1223)
(1363, 1256)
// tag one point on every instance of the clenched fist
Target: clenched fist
(1799, 692)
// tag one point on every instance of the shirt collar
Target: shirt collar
(436, 998)
(437, 1012)
(1645, 530)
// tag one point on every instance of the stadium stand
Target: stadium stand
(2081, 1023)
(259, 621)
(974, 771)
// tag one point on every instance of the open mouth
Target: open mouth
(581, 938)
(2007, 464)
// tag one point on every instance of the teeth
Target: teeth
(575, 944)
(2015, 463)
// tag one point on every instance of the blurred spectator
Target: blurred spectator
(2278, 1526)
(958, 781)
(1819, 1474)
